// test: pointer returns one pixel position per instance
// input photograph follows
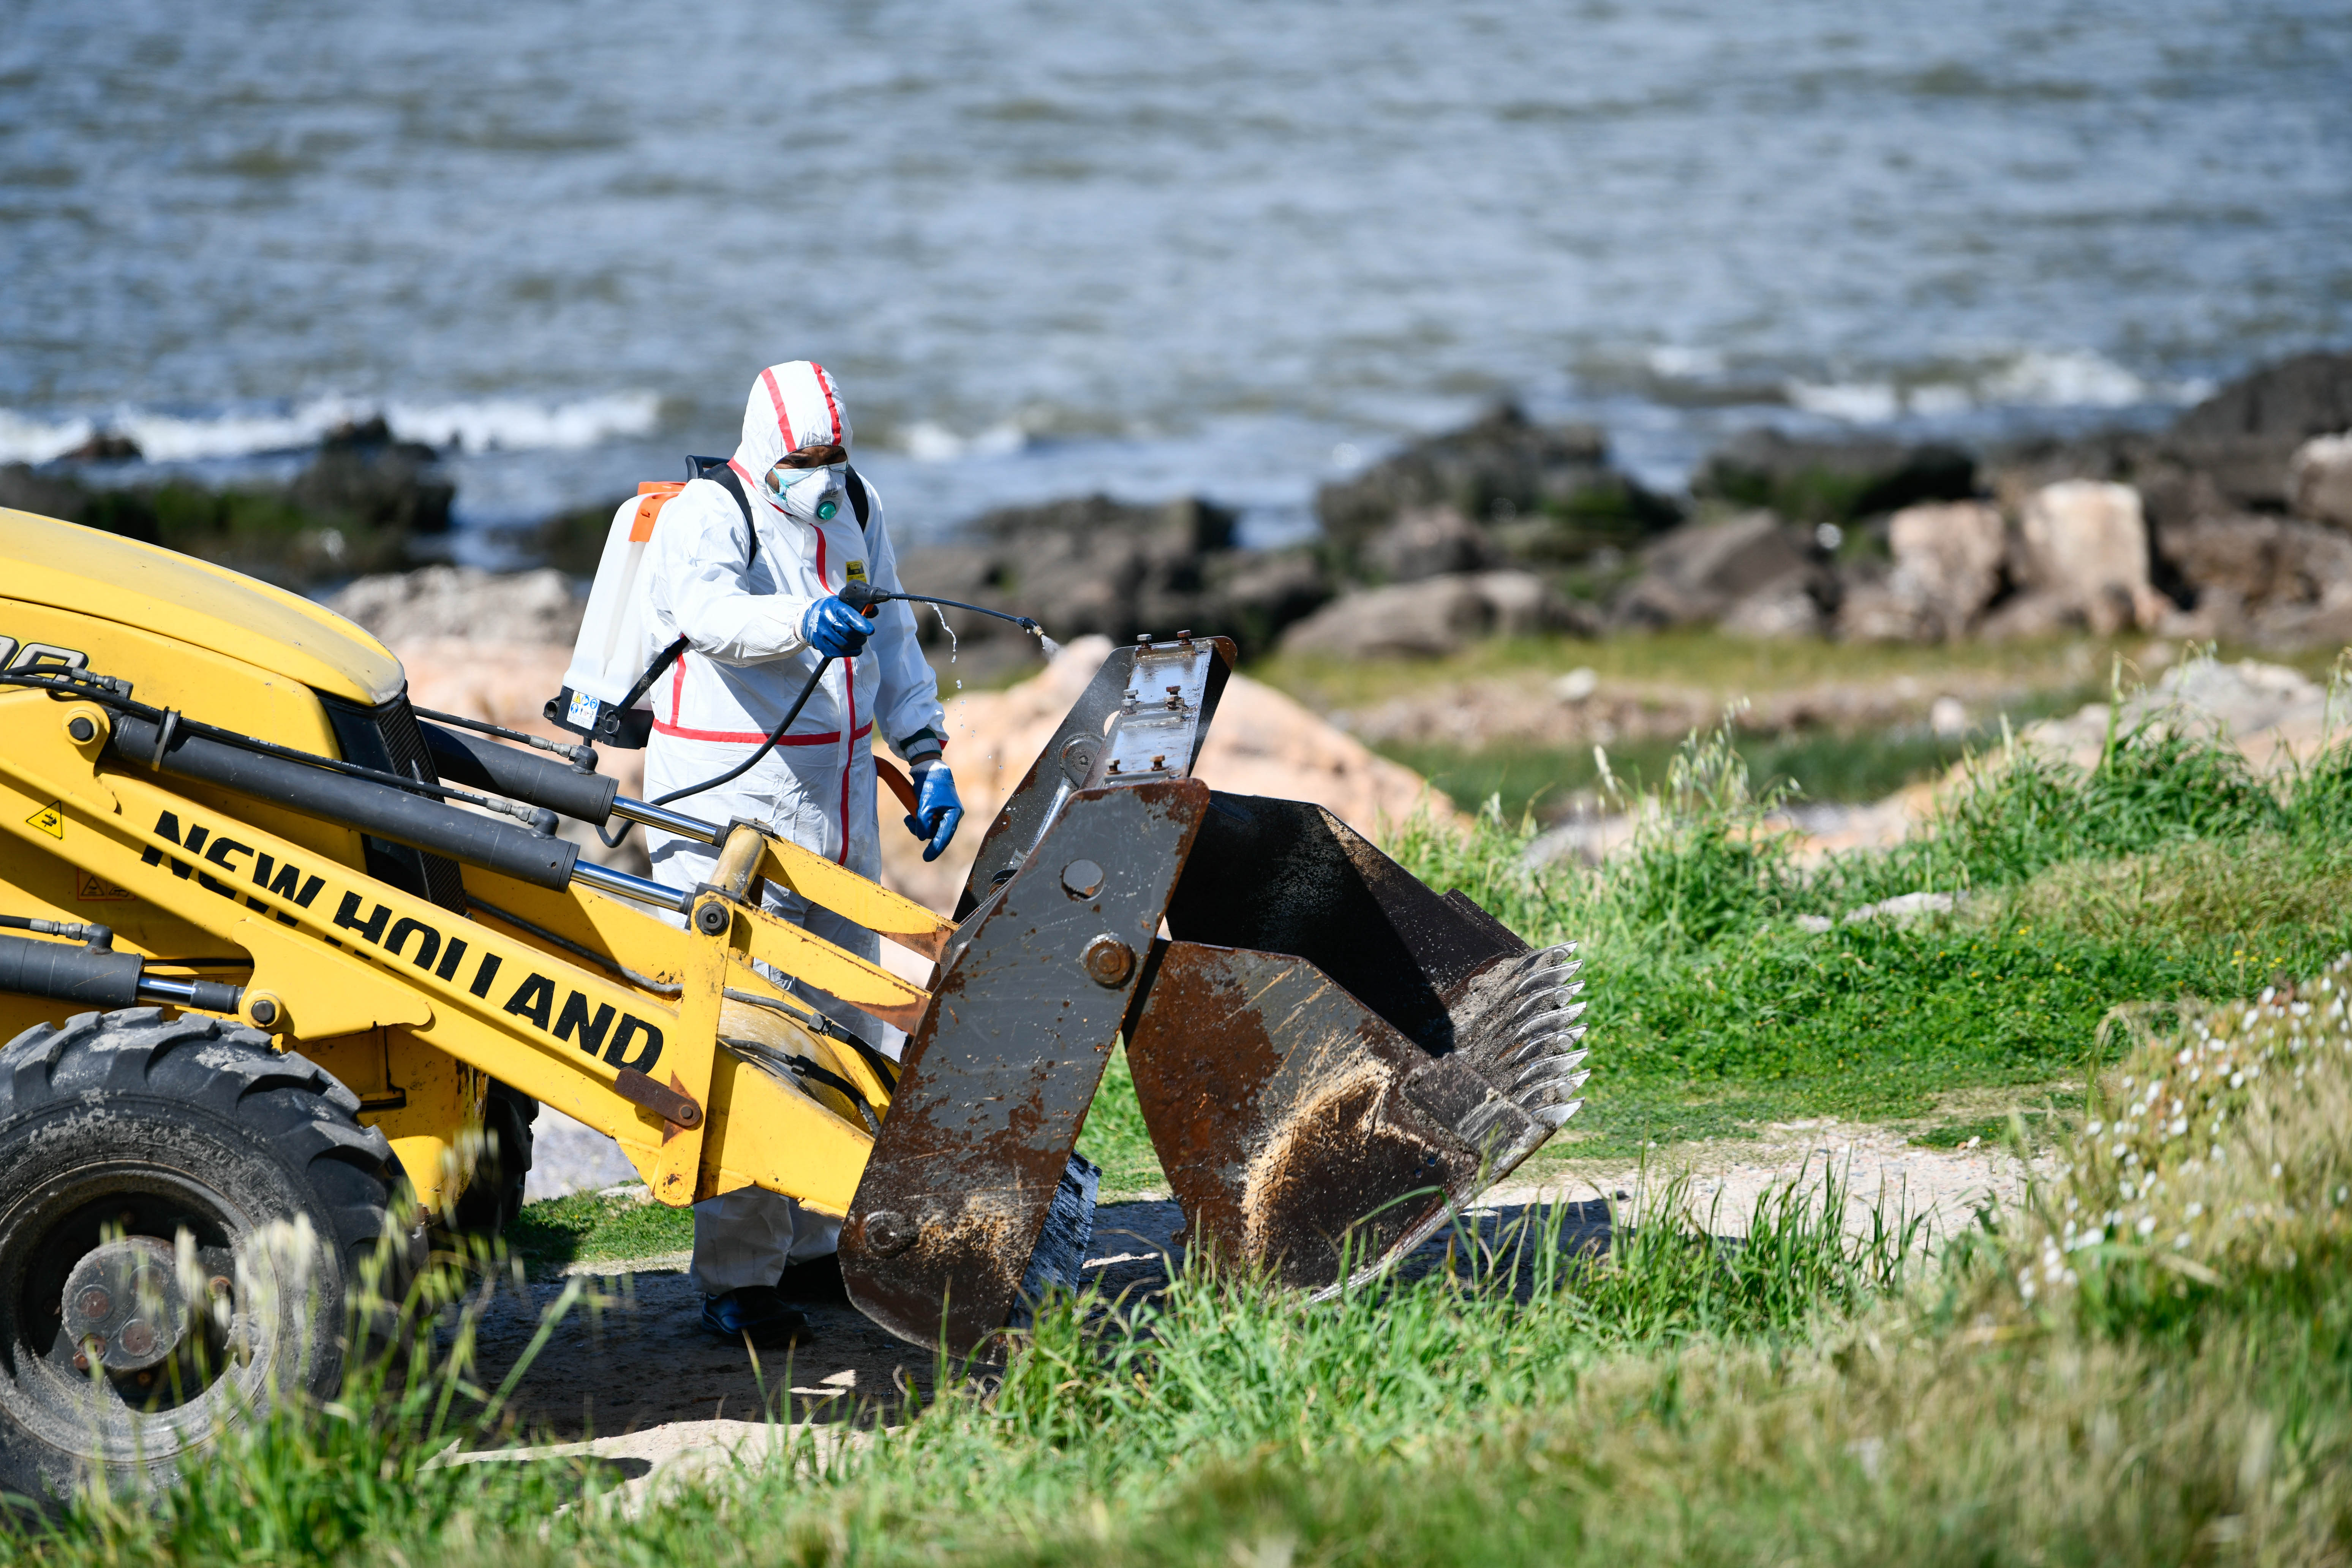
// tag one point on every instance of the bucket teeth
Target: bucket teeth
(1532, 980)
(1552, 998)
(1546, 1076)
(1543, 1046)
(1553, 1116)
(1561, 1011)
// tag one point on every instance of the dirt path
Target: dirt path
(1880, 1168)
(632, 1379)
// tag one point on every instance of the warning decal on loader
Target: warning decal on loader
(50, 819)
(92, 889)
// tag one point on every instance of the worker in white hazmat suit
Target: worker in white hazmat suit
(755, 600)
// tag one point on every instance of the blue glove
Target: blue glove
(937, 812)
(832, 628)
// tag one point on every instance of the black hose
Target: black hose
(774, 736)
(858, 596)
(360, 802)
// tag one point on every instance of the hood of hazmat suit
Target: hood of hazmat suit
(794, 406)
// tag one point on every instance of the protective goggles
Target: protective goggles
(813, 458)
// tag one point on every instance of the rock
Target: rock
(1433, 617)
(461, 603)
(1834, 481)
(1096, 566)
(2319, 480)
(1578, 685)
(1547, 491)
(1904, 909)
(2242, 568)
(1786, 609)
(2033, 614)
(1952, 553)
(1699, 571)
(1430, 542)
(362, 476)
(105, 446)
(2244, 435)
(2276, 715)
(1882, 603)
(1586, 840)
(2087, 542)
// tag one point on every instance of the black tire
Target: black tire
(157, 1126)
(494, 1197)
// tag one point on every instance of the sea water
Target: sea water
(1228, 249)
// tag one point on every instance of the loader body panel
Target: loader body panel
(93, 575)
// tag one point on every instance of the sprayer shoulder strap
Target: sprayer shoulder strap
(725, 476)
(859, 501)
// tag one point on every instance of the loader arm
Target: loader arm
(336, 952)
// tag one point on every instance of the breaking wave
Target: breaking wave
(2034, 378)
(492, 425)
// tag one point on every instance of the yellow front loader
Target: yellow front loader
(286, 969)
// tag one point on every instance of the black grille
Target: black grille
(386, 737)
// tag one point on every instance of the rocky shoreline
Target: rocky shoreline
(2233, 524)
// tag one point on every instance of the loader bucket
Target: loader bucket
(1330, 1056)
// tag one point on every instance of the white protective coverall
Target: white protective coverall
(744, 663)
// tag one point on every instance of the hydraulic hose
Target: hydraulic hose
(462, 759)
(371, 807)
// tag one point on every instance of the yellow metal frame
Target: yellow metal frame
(414, 1006)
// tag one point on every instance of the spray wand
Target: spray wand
(860, 597)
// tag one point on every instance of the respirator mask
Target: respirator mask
(813, 494)
(810, 490)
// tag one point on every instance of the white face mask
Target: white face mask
(813, 494)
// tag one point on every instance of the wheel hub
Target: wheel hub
(123, 1305)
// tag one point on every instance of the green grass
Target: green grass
(1729, 666)
(2148, 1361)
(589, 1229)
(2032, 1392)
(2167, 869)
(1116, 1139)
